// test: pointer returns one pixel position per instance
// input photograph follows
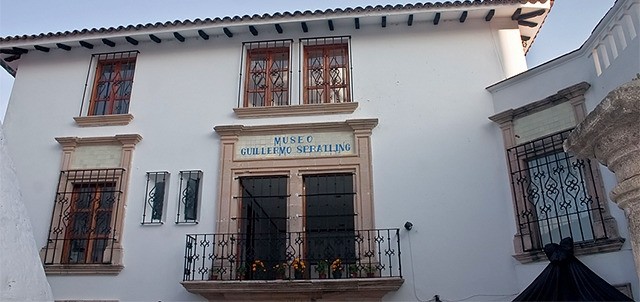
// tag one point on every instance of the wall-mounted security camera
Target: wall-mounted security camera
(408, 226)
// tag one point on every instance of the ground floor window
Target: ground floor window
(556, 193)
(85, 212)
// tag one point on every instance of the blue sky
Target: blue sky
(566, 28)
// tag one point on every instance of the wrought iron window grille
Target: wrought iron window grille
(85, 211)
(189, 196)
(234, 256)
(556, 194)
(155, 197)
(267, 79)
(109, 82)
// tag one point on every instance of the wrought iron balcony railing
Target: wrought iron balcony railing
(293, 255)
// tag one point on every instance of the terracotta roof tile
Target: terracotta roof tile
(275, 16)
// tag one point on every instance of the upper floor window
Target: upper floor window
(326, 70)
(111, 91)
(267, 74)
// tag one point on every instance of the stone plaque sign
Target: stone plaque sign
(295, 145)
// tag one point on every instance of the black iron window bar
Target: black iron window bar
(189, 198)
(363, 254)
(555, 193)
(85, 209)
(155, 197)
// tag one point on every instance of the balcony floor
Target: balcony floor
(353, 289)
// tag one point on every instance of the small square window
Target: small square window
(155, 197)
(189, 198)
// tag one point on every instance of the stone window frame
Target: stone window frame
(127, 142)
(358, 163)
(575, 96)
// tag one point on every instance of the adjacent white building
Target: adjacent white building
(207, 159)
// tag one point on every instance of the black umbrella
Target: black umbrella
(568, 279)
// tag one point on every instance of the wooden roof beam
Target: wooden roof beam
(178, 36)
(86, 44)
(154, 38)
(20, 50)
(203, 34)
(278, 28)
(532, 14)
(12, 58)
(131, 40)
(356, 23)
(436, 19)
(489, 15)
(304, 26)
(41, 48)
(109, 42)
(410, 20)
(9, 51)
(527, 23)
(227, 32)
(63, 46)
(330, 23)
(384, 21)
(516, 14)
(463, 17)
(253, 30)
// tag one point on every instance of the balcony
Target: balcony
(338, 265)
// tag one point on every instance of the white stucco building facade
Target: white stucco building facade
(153, 157)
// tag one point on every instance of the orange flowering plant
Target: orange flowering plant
(258, 266)
(298, 265)
(336, 265)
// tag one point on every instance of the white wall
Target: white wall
(438, 161)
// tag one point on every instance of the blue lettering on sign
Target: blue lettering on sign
(303, 144)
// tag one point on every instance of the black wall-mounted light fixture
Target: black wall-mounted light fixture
(408, 225)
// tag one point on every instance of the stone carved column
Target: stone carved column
(611, 134)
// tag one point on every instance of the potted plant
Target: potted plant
(370, 270)
(298, 268)
(336, 268)
(258, 269)
(321, 268)
(241, 271)
(280, 270)
(353, 270)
